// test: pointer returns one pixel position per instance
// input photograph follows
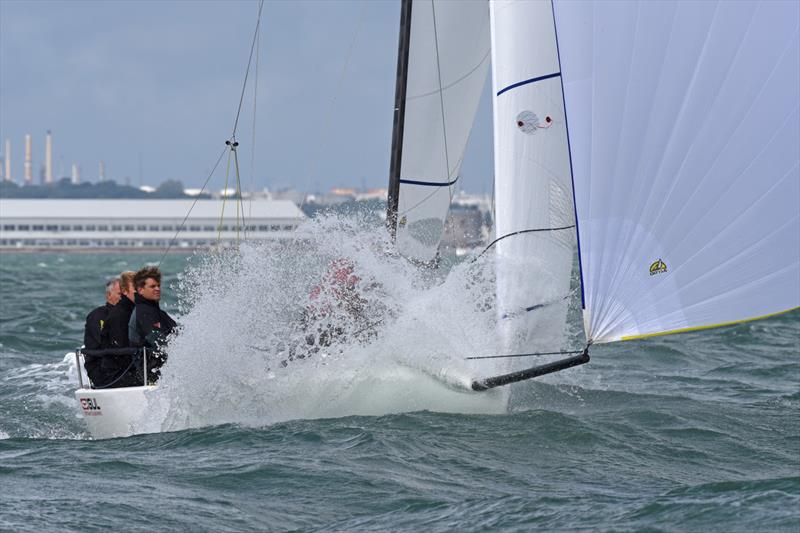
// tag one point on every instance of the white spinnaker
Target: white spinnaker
(449, 49)
(533, 188)
(685, 140)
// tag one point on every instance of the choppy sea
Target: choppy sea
(692, 432)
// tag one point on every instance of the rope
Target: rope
(312, 166)
(519, 233)
(533, 354)
(240, 204)
(116, 380)
(444, 122)
(253, 141)
(231, 143)
(183, 223)
(224, 195)
(247, 72)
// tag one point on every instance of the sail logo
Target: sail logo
(658, 267)
(90, 406)
(528, 122)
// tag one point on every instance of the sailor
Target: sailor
(95, 320)
(149, 326)
(119, 370)
(338, 302)
(115, 332)
(93, 329)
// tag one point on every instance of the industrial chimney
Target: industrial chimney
(28, 161)
(76, 174)
(48, 158)
(102, 171)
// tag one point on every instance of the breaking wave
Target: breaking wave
(329, 324)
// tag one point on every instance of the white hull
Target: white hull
(113, 413)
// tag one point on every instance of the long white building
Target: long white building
(141, 224)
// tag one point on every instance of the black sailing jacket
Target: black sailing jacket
(115, 331)
(95, 321)
(149, 325)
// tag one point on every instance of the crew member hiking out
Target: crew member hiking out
(149, 326)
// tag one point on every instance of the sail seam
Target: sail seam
(453, 84)
(526, 82)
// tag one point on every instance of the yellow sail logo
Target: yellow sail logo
(658, 267)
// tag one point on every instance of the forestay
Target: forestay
(448, 58)
(685, 137)
(533, 192)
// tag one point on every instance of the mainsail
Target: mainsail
(685, 142)
(535, 221)
(442, 65)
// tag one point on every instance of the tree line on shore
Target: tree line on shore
(64, 188)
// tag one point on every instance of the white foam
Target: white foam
(241, 309)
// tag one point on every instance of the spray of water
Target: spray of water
(329, 324)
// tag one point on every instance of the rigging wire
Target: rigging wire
(313, 162)
(230, 146)
(183, 223)
(533, 354)
(247, 72)
(240, 204)
(224, 193)
(444, 122)
(253, 138)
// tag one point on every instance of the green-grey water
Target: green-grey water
(691, 432)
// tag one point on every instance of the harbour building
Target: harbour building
(142, 224)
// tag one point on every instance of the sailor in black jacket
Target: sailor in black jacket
(120, 370)
(115, 331)
(93, 329)
(149, 325)
(96, 319)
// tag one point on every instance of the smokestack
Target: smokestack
(28, 163)
(48, 158)
(8, 160)
(102, 171)
(76, 174)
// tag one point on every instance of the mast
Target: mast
(399, 116)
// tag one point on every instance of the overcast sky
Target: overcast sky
(151, 88)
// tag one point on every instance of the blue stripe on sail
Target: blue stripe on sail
(430, 183)
(571, 171)
(526, 82)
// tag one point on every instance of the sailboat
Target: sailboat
(662, 138)
(658, 139)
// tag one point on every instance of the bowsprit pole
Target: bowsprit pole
(529, 373)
